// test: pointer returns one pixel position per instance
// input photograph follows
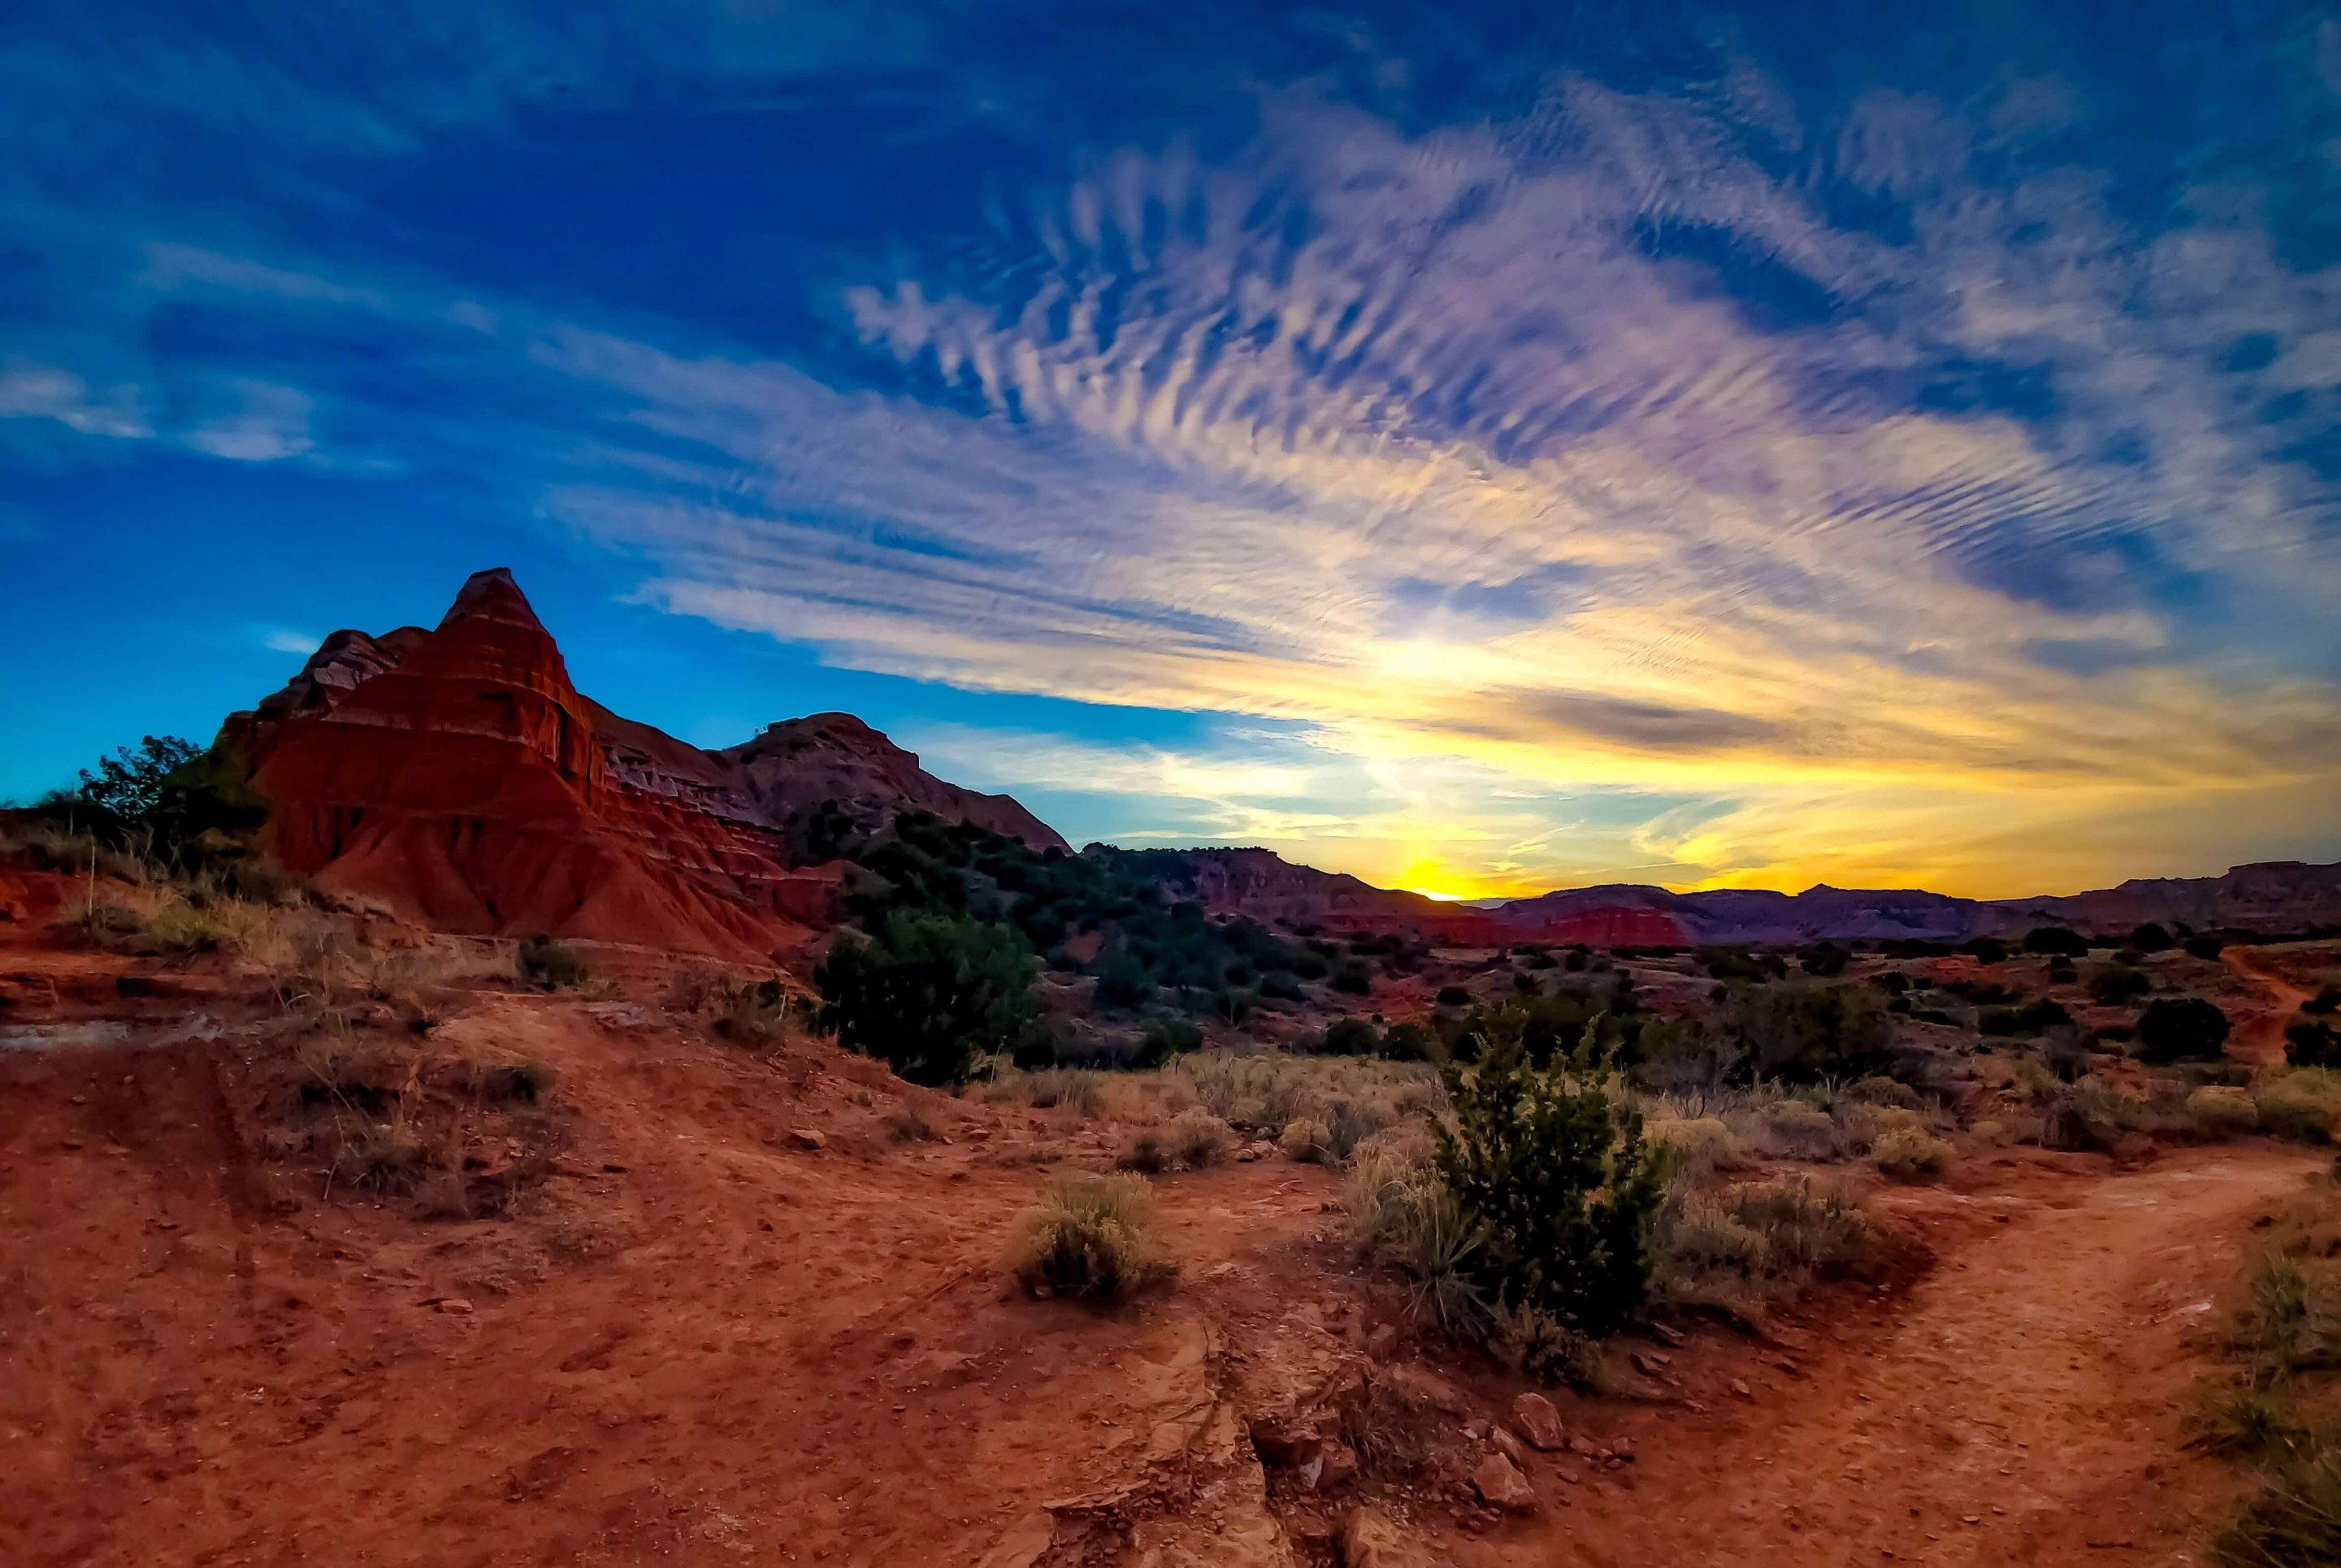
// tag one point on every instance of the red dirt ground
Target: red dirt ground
(702, 1342)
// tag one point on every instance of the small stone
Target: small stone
(1382, 1341)
(1739, 1389)
(807, 1139)
(1509, 1446)
(455, 1307)
(1500, 1482)
(1535, 1419)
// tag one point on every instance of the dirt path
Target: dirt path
(2260, 1040)
(2022, 1406)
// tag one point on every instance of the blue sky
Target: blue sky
(1483, 448)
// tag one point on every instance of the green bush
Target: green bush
(1825, 960)
(549, 965)
(928, 993)
(1806, 1030)
(1163, 1039)
(1556, 1184)
(1352, 1037)
(2308, 1044)
(1123, 980)
(1407, 1041)
(2113, 984)
(2181, 1028)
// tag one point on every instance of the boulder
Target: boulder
(1500, 1484)
(1535, 1419)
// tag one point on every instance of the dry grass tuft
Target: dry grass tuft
(1091, 1236)
(1910, 1154)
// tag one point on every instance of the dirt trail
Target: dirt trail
(2023, 1406)
(2261, 1039)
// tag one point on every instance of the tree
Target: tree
(928, 993)
(2181, 1028)
(130, 783)
(1556, 1185)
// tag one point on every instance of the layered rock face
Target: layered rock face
(457, 775)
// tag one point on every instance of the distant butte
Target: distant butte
(458, 776)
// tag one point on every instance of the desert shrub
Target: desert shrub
(1074, 1089)
(1761, 1239)
(548, 965)
(2327, 1001)
(2057, 940)
(1307, 1140)
(1558, 1183)
(1353, 978)
(1197, 1138)
(2151, 937)
(905, 1125)
(2181, 1028)
(2310, 1044)
(1123, 980)
(1824, 961)
(1164, 1039)
(928, 993)
(2223, 1112)
(1454, 996)
(1803, 1030)
(1986, 950)
(1794, 1129)
(2205, 946)
(1281, 985)
(1910, 1154)
(2113, 984)
(2299, 1106)
(1352, 1037)
(1696, 1148)
(1089, 1235)
(1407, 1041)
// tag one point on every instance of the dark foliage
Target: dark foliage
(2181, 1028)
(549, 965)
(1803, 1030)
(1557, 1184)
(2057, 940)
(928, 993)
(2151, 937)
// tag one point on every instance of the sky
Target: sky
(1482, 447)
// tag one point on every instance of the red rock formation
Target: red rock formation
(457, 775)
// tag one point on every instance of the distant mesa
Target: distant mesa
(458, 776)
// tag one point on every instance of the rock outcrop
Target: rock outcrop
(458, 776)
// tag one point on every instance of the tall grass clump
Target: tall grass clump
(2274, 1409)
